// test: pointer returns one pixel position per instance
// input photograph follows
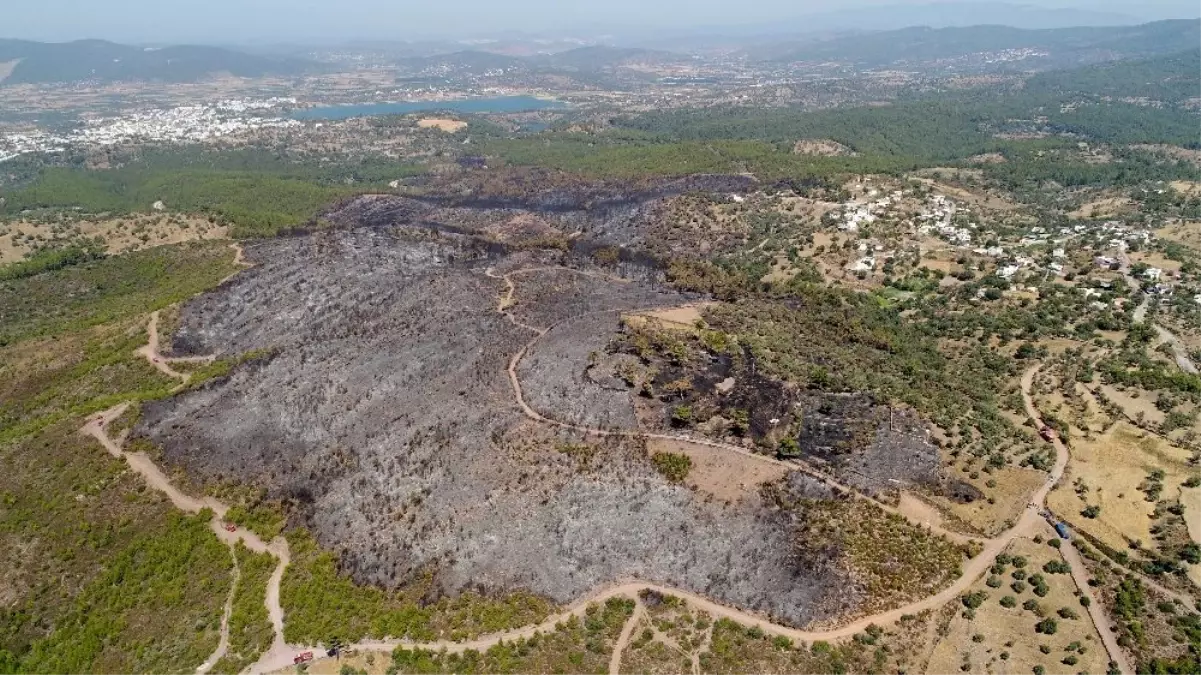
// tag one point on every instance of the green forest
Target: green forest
(256, 193)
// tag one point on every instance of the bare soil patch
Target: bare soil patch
(823, 147)
(441, 124)
(919, 511)
(7, 68)
(728, 476)
(671, 318)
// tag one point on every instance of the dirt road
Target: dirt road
(1183, 361)
(623, 640)
(223, 643)
(150, 352)
(1079, 572)
(280, 655)
(155, 478)
(1178, 349)
(507, 301)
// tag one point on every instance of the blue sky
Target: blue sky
(230, 21)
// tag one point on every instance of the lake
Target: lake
(499, 104)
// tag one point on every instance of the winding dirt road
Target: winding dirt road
(1079, 572)
(1030, 520)
(1179, 351)
(223, 643)
(280, 655)
(507, 301)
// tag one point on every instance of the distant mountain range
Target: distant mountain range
(1065, 46)
(1172, 78)
(592, 59)
(949, 15)
(97, 60)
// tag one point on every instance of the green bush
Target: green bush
(673, 466)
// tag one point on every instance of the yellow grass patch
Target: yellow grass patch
(724, 474)
(448, 125)
(1014, 485)
(998, 626)
(1190, 498)
(1188, 234)
(1156, 259)
(1112, 466)
(1188, 187)
(120, 235)
(1143, 405)
(970, 197)
(671, 318)
(1102, 208)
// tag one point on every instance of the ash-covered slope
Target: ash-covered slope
(387, 411)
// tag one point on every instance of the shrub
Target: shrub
(681, 416)
(1057, 567)
(974, 600)
(1008, 602)
(1047, 626)
(673, 466)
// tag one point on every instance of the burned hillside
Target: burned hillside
(698, 380)
(387, 415)
(438, 363)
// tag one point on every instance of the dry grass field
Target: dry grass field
(119, 235)
(1106, 471)
(1003, 639)
(1188, 234)
(1106, 207)
(1190, 498)
(1010, 494)
(447, 125)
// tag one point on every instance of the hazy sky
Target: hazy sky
(226, 21)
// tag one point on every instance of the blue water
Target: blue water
(500, 104)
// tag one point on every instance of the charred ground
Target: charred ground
(386, 417)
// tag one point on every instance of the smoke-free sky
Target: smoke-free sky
(228, 21)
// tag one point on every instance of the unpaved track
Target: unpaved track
(280, 654)
(1079, 572)
(624, 639)
(507, 301)
(223, 643)
(1140, 314)
(150, 352)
